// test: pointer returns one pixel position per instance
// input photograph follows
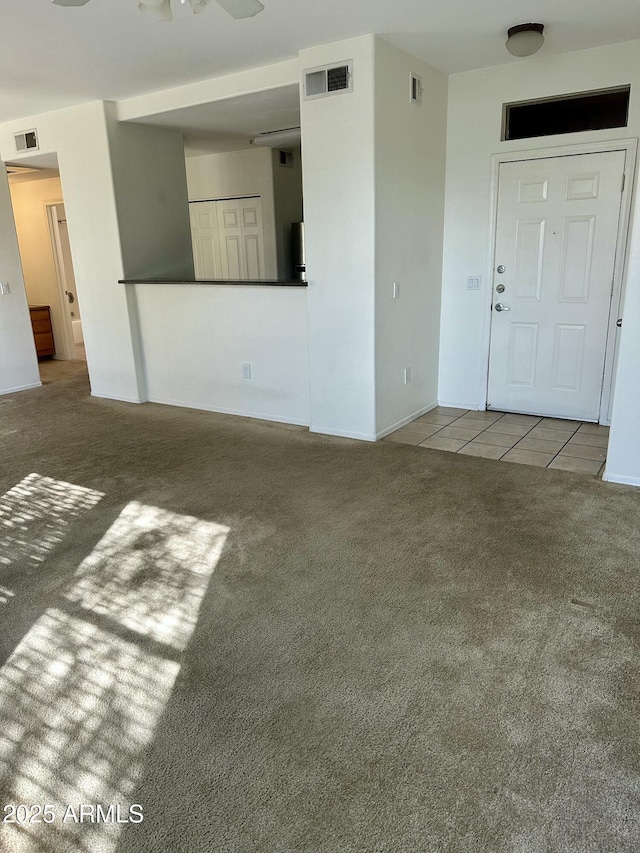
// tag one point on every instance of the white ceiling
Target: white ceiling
(230, 124)
(53, 57)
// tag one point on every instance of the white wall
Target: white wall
(623, 455)
(373, 175)
(79, 136)
(238, 173)
(287, 198)
(126, 203)
(410, 177)
(151, 200)
(34, 238)
(195, 339)
(18, 361)
(339, 202)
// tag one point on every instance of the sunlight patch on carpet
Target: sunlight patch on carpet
(35, 515)
(131, 575)
(5, 595)
(81, 695)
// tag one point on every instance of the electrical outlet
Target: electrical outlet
(4, 288)
(396, 289)
(246, 371)
(473, 282)
(407, 375)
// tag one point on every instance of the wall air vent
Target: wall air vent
(285, 158)
(415, 90)
(329, 80)
(26, 140)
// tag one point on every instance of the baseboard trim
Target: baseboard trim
(456, 404)
(117, 399)
(21, 388)
(259, 416)
(625, 481)
(359, 436)
(406, 420)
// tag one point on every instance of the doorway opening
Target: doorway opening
(67, 293)
(47, 265)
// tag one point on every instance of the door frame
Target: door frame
(68, 345)
(630, 147)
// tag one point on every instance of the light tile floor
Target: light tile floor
(546, 442)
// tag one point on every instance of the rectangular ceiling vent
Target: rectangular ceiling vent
(26, 140)
(329, 80)
(415, 90)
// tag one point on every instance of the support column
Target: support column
(339, 210)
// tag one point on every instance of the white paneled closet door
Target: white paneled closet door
(205, 239)
(228, 241)
(241, 238)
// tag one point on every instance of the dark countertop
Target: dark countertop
(217, 281)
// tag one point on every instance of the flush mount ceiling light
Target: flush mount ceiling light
(525, 39)
(161, 9)
(16, 169)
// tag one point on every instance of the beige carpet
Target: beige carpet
(273, 641)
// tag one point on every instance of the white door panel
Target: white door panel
(232, 259)
(204, 234)
(252, 249)
(241, 238)
(210, 262)
(557, 228)
(227, 239)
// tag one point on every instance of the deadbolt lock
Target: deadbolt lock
(500, 288)
(501, 269)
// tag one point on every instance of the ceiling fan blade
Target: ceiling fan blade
(69, 2)
(198, 5)
(241, 8)
(159, 9)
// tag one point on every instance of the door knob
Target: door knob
(500, 307)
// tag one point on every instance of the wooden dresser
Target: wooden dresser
(42, 331)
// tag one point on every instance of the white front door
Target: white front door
(557, 229)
